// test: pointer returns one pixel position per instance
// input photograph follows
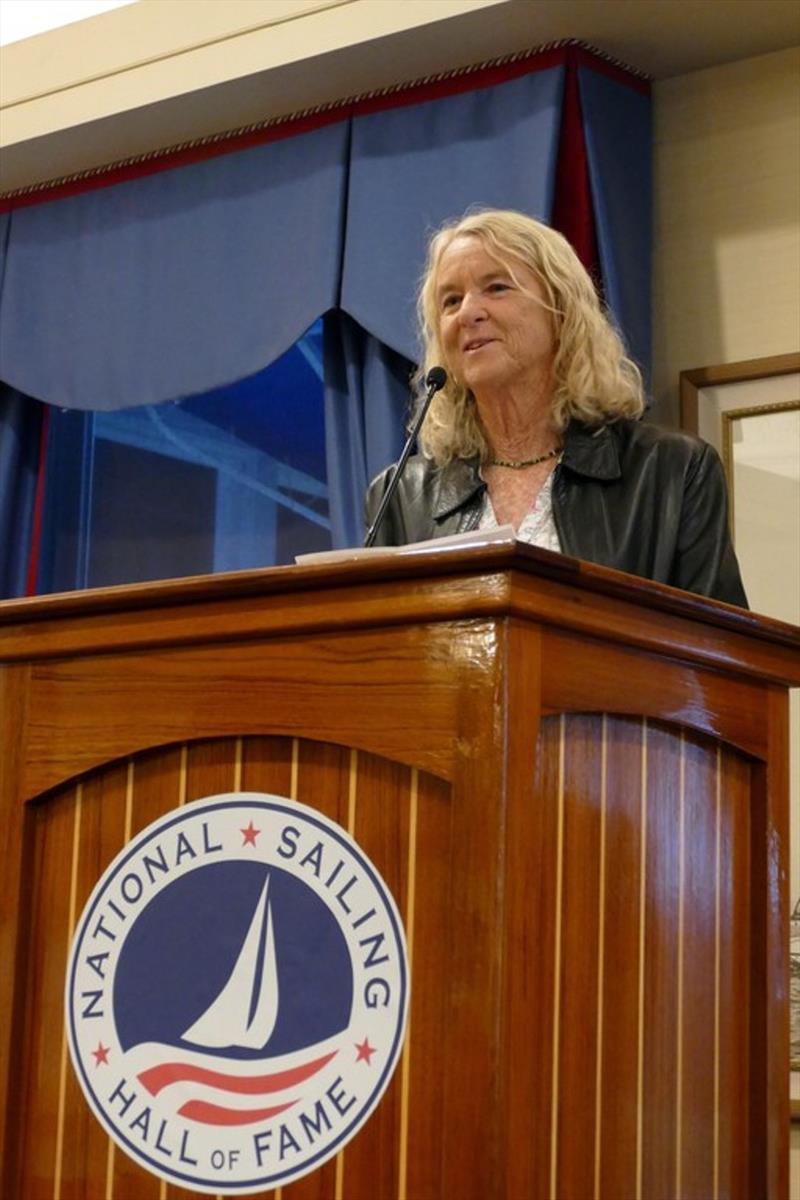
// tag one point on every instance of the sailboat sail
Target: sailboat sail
(246, 1009)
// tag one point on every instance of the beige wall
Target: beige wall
(727, 218)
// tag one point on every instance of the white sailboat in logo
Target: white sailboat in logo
(246, 1009)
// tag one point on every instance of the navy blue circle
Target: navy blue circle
(184, 945)
(289, 810)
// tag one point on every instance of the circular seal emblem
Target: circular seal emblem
(236, 993)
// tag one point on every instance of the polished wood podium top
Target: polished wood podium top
(386, 587)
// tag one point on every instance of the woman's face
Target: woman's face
(494, 328)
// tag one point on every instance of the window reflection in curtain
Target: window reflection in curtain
(228, 480)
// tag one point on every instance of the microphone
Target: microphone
(434, 381)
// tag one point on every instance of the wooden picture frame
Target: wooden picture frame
(767, 401)
(694, 381)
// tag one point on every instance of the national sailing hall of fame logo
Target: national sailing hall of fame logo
(237, 993)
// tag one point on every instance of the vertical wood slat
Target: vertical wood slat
(601, 932)
(672, 988)
(405, 1061)
(717, 959)
(558, 930)
(621, 967)
(37, 1128)
(379, 810)
(770, 792)
(321, 777)
(679, 975)
(115, 805)
(429, 1015)
(662, 919)
(697, 1100)
(84, 1142)
(581, 925)
(111, 1156)
(62, 1068)
(640, 1028)
(735, 1069)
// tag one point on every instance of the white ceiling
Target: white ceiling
(28, 18)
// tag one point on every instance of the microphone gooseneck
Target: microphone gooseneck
(434, 382)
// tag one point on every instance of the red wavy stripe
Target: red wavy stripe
(156, 1078)
(212, 1114)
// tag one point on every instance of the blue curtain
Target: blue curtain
(5, 229)
(229, 483)
(416, 168)
(617, 127)
(177, 283)
(20, 434)
(187, 280)
(413, 168)
(366, 403)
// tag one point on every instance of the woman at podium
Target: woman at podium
(537, 424)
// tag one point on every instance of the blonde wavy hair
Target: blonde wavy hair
(593, 379)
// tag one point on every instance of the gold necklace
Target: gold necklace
(517, 464)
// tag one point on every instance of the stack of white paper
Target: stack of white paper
(474, 537)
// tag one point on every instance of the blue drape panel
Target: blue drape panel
(366, 403)
(5, 227)
(413, 168)
(187, 280)
(173, 284)
(617, 127)
(20, 431)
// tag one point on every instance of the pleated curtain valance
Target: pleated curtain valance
(413, 168)
(188, 279)
(176, 283)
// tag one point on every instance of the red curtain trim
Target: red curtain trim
(451, 84)
(38, 508)
(573, 213)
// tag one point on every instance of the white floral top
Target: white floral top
(538, 527)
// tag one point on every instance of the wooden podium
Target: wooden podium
(574, 783)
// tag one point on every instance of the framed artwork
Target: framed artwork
(750, 412)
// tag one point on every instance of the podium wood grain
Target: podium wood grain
(573, 783)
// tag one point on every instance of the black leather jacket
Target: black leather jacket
(627, 495)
